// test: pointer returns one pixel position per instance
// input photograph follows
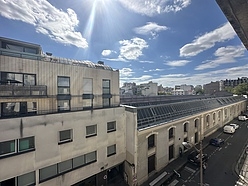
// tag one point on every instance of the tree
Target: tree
(241, 89)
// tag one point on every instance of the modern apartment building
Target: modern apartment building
(60, 121)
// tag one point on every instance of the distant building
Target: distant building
(234, 82)
(183, 89)
(212, 87)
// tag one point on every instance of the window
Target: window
(26, 144)
(63, 85)
(26, 179)
(207, 120)
(171, 133)
(63, 105)
(65, 136)
(12, 109)
(90, 157)
(151, 141)
(78, 161)
(48, 172)
(151, 163)
(91, 130)
(111, 126)
(7, 147)
(17, 78)
(185, 127)
(22, 180)
(106, 92)
(64, 166)
(88, 93)
(111, 150)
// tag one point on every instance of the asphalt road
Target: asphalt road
(222, 161)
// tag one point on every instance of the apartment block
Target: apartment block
(60, 120)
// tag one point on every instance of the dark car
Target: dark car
(194, 157)
(216, 142)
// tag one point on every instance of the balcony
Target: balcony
(23, 91)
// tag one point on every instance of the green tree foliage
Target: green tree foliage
(241, 89)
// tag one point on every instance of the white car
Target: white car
(235, 126)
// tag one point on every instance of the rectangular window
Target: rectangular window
(48, 172)
(105, 86)
(151, 163)
(65, 136)
(26, 144)
(65, 166)
(63, 85)
(90, 157)
(26, 179)
(7, 147)
(29, 79)
(91, 130)
(111, 126)
(111, 150)
(63, 105)
(106, 92)
(88, 93)
(78, 161)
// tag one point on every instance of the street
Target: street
(222, 161)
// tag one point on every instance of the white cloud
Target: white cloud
(208, 40)
(177, 63)
(155, 7)
(223, 55)
(107, 52)
(150, 28)
(126, 72)
(132, 49)
(146, 61)
(59, 25)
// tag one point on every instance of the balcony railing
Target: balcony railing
(19, 91)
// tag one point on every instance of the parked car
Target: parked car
(228, 129)
(194, 157)
(235, 126)
(242, 118)
(216, 142)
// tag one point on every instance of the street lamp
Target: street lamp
(189, 145)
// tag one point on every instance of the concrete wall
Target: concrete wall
(47, 151)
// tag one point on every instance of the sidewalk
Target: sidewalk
(243, 173)
(157, 179)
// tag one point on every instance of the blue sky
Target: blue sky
(170, 42)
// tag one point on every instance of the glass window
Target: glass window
(106, 102)
(111, 126)
(90, 157)
(29, 79)
(48, 172)
(151, 141)
(65, 136)
(91, 130)
(63, 81)
(106, 86)
(26, 143)
(26, 179)
(78, 161)
(7, 147)
(171, 133)
(63, 105)
(111, 150)
(64, 166)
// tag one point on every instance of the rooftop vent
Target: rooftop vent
(100, 62)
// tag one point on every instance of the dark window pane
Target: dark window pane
(65, 135)
(64, 166)
(26, 179)
(48, 172)
(7, 147)
(26, 143)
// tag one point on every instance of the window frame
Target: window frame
(91, 134)
(111, 153)
(11, 152)
(67, 140)
(151, 141)
(111, 129)
(30, 148)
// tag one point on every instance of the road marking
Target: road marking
(189, 169)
